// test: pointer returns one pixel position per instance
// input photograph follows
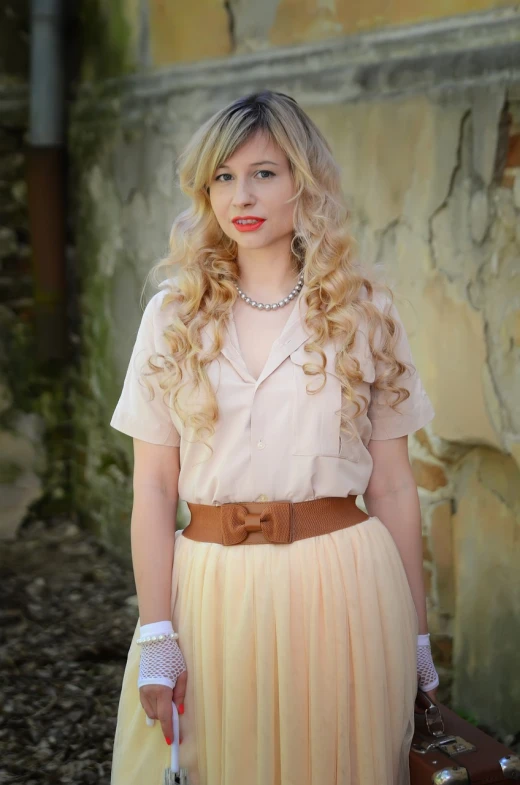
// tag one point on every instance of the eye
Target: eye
(266, 172)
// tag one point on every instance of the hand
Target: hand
(162, 674)
(156, 700)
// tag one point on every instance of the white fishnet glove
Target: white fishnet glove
(161, 661)
(427, 676)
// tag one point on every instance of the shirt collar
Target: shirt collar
(293, 335)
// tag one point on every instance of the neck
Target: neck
(267, 277)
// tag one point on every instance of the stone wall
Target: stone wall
(442, 214)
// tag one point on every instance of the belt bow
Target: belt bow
(274, 522)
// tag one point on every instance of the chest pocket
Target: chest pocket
(316, 418)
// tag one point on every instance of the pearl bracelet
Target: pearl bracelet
(145, 639)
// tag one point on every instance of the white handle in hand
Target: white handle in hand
(175, 743)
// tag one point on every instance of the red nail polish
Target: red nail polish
(167, 740)
(181, 708)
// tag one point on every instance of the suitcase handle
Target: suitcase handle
(427, 714)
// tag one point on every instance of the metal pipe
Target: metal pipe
(46, 178)
(47, 74)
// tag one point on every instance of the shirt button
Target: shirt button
(262, 498)
(260, 445)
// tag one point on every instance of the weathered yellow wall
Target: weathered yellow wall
(370, 14)
(183, 32)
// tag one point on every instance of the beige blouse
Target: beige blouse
(273, 441)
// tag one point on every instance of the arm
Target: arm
(392, 496)
(154, 512)
(143, 413)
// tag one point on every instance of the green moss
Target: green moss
(94, 122)
(107, 40)
(102, 462)
(101, 465)
(466, 716)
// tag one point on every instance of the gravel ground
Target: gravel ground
(67, 615)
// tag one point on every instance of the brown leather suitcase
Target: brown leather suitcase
(448, 749)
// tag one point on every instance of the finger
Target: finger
(179, 691)
(148, 707)
(164, 714)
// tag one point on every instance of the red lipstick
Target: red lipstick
(253, 223)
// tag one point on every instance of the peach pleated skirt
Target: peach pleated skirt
(301, 664)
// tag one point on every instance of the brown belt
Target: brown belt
(252, 523)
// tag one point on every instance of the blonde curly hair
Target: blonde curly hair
(339, 292)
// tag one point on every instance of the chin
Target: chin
(246, 241)
(252, 242)
(249, 246)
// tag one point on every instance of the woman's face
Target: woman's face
(255, 183)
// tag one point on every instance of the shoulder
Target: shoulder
(383, 302)
(388, 336)
(161, 306)
(157, 317)
(381, 299)
(369, 321)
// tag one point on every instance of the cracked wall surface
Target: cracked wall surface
(433, 187)
(216, 28)
(127, 36)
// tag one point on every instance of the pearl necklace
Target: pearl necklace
(272, 306)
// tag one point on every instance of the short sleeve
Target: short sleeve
(416, 411)
(138, 414)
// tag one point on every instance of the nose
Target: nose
(243, 194)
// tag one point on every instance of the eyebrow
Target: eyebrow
(257, 163)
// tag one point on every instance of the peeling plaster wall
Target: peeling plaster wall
(216, 28)
(486, 547)
(451, 236)
(433, 187)
(127, 36)
(431, 165)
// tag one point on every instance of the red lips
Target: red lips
(249, 227)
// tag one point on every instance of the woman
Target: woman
(270, 384)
